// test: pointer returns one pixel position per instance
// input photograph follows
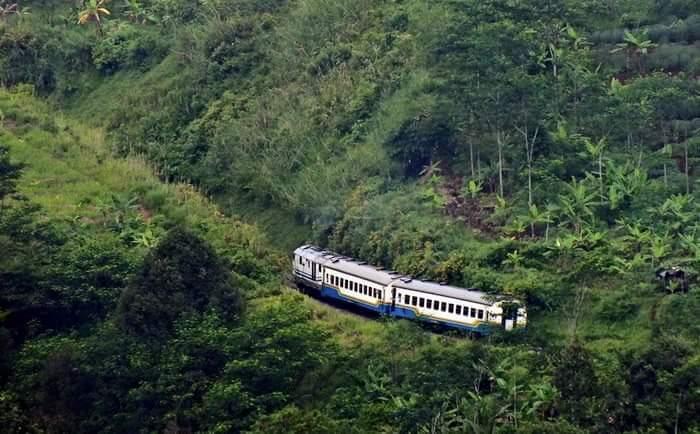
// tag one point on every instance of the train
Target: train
(393, 294)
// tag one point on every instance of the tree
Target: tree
(9, 174)
(181, 276)
(575, 379)
(93, 11)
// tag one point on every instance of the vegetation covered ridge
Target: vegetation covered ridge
(543, 150)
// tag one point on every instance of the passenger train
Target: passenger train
(392, 294)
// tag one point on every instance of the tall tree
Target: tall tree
(180, 277)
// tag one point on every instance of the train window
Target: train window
(300, 262)
(414, 302)
(458, 310)
(421, 302)
(429, 303)
(379, 294)
(466, 310)
(443, 306)
(406, 299)
(451, 308)
(473, 313)
(481, 313)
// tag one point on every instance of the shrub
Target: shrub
(617, 308)
(127, 46)
(21, 60)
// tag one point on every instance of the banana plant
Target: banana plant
(473, 188)
(537, 216)
(578, 204)
(659, 248)
(542, 400)
(94, 11)
(635, 45)
(513, 259)
(147, 238)
(595, 150)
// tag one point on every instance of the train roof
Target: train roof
(467, 294)
(347, 265)
(362, 270)
(384, 277)
(313, 253)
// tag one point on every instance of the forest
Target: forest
(160, 160)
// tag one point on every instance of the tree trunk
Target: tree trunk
(600, 173)
(499, 142)
(687, 174)
(471, 157)
(478, 164)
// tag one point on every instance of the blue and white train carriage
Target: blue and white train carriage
(390, 293)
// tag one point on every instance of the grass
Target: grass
(70, 172)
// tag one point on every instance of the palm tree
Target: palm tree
(93, 12)
(634, 46)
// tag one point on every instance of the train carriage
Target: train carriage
(390, 293)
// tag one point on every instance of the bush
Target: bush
(617, 308)
(127, 46)
(22, 60)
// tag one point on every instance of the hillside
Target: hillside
(547, 151)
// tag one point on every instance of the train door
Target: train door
(313, 270)
(509, 318)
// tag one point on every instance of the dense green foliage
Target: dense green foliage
(547, 150)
